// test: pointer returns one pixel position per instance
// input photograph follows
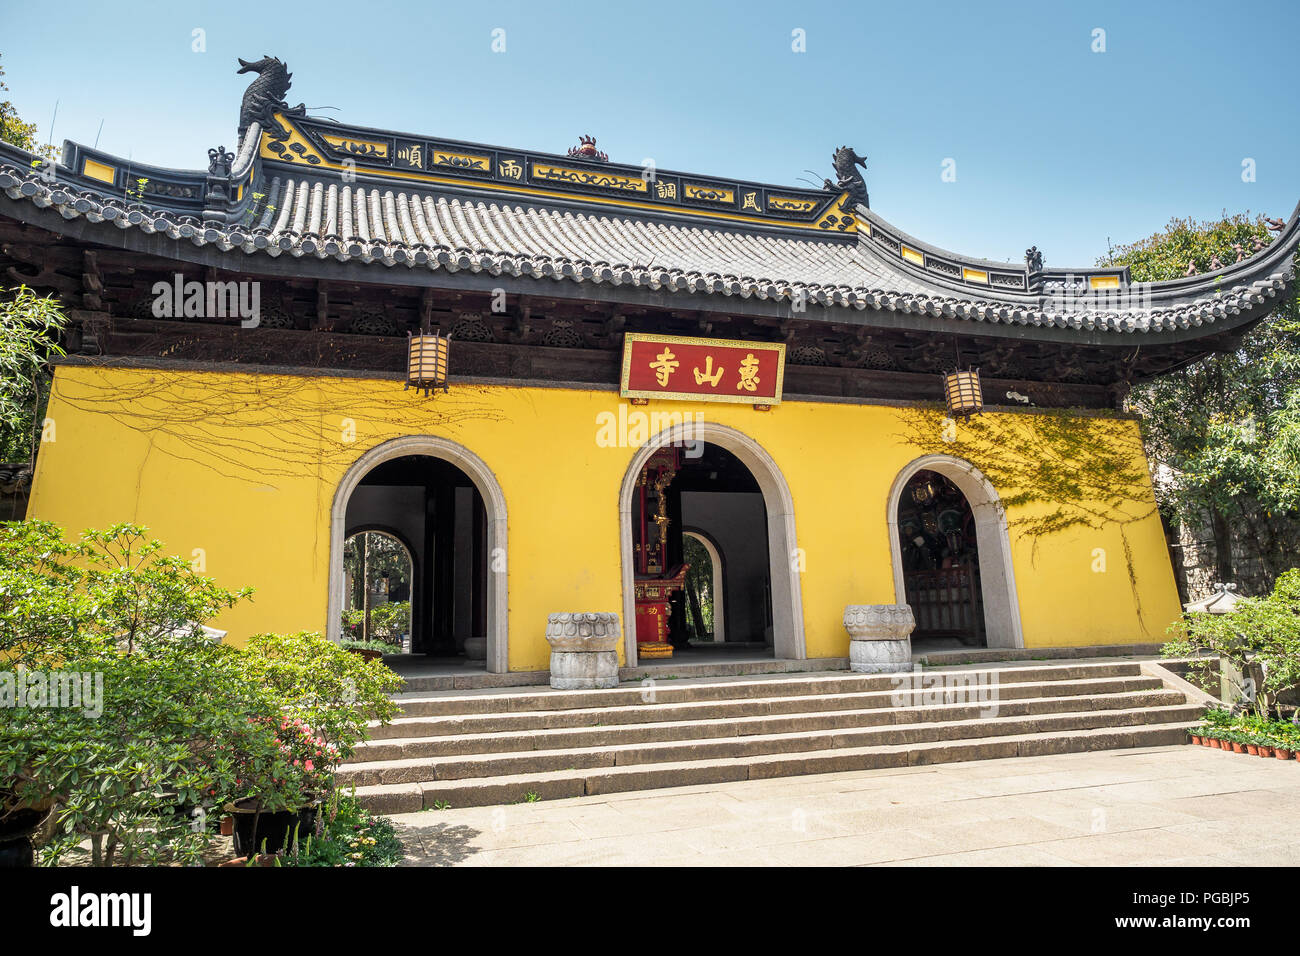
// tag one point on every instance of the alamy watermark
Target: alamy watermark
(918, 688)
(632, 428)
(73, 690)
(179, 299)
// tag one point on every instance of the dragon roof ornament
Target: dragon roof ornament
(845, 162)
(265, 96)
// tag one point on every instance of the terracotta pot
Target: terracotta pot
(227, 826)
(1214, 742)
(367, 653)
(1265, 751)
(1281, 753)
(1252, 749)
(1196, 740)
(1238, 748)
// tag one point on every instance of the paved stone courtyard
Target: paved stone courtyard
(1159, 806)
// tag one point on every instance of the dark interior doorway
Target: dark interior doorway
(940, 553)
(433, 507)
(711, 493)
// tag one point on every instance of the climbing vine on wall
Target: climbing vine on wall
(1053, 470)
(260, 427)
(1080, 471)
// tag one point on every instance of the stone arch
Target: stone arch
(787, 595)
(375, 527)
(719, 579)
(494, 502)
(997, 576)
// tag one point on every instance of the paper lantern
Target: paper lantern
(426, 362)
(961, 390)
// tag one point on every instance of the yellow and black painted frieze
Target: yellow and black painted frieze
(315, 145)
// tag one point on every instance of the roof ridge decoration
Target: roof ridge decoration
(264, 97)
(443, 205)
(586, 149)
(845, 161)
(287, 135)
(488, 171)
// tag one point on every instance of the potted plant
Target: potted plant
(328, 696)
(282, 795)
(18, 824)
(369, 650)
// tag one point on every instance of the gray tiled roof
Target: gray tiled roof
(311, 217)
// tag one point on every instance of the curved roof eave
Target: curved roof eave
(629, 258)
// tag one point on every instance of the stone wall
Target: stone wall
(1261, 549)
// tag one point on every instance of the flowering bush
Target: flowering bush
(184, 726)
(334, 691)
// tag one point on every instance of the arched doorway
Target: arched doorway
(712, 577)
(379, 575)
(712, 453)
(951, 553)
(448, 506)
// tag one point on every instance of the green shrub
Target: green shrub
(348, 836)
(1262, 631)
(182, 726)
(333, 690)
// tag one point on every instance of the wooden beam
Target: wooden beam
(321, 318)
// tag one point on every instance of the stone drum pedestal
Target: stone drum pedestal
(880, 639)
(583, 654)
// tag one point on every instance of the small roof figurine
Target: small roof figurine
(1222, 601)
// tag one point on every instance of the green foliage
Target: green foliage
(348, 836)
(386, 567)
(1249, 729)
(1263, 631)
(382, 646)
(113, 590)
(388, 622)
(1229, 424)
(699, 580)
(29, 332)
(333, 690)
(181, 724)
(1080, 471)
(178, 734)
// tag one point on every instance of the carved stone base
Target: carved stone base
(582, 650)
(580, 670)
(879, 637)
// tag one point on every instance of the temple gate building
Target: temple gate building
(638, 362)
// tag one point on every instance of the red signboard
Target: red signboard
(710, 370)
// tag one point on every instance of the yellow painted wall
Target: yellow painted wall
(241, 470)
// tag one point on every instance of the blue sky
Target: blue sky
(1054, 145)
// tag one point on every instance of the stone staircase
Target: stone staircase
(463, 749)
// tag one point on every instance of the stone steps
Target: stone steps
(843, 682)
(462, 766)
(451, 736)
(552, 785)
(500, 746)
(450, 720)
